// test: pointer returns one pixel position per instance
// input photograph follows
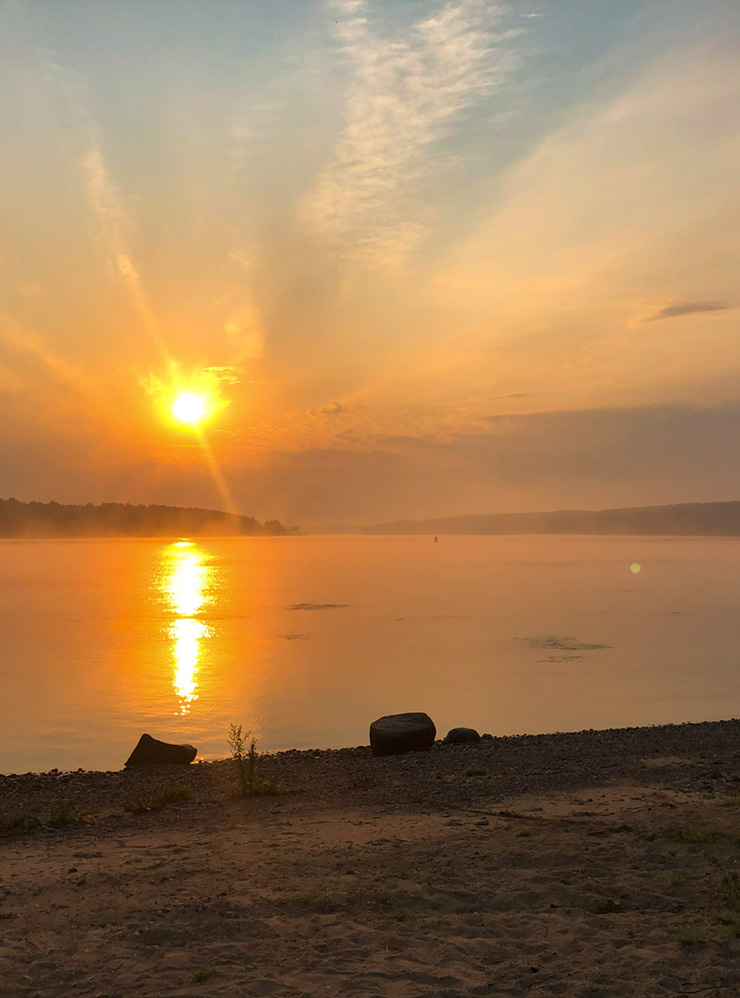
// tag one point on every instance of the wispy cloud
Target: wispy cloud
(243, 324)
(103, 196)
(105, 202)
(333, 410)
(21, 340)
(689, 308)
(403, 97)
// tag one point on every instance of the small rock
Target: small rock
(456, 736)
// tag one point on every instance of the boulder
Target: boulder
(456, 736)
(399, 733)
(151, 752)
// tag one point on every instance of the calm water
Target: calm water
(306, 640)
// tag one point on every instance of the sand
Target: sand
(501, 869)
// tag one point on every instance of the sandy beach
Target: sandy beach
(589, 864)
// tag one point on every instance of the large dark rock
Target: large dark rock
(151, 752)
(399, 733)
(456, 736)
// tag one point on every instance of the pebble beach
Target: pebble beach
(595, 863)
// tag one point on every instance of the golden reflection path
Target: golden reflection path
(185, 588)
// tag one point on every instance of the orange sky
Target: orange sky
(424, 259)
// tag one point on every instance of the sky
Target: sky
(422, 259)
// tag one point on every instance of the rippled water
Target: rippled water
(306, 640)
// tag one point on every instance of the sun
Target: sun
(189, 408)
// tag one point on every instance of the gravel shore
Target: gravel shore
(694, 757)
(596, 864)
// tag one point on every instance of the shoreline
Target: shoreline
(520, 737)
(353, 776)
(593, 864)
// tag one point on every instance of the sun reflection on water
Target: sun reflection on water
(185, 586)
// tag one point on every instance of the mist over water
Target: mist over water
(306, 640)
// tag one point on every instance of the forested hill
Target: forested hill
(115, 519)
(720, 519)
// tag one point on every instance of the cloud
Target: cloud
(106, 204)
(224, 373)
(511, 395)
(689, 308)
(405, 93)
(23, 341)
(333, 409)
(583, 233)
(586, 459)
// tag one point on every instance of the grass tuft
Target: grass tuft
(475, 771)
(695, 834)
(20, 824)
(201, 976)
(61, 813)
(691, 935)
(161, 798)
(250, 783)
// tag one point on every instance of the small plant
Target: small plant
(245, 759)
(436, 922)
(475, 771)
(321, 900)
(62, 813)
(729, 890)
(161, 798)
(729, 898)
(249, 781)
(166, 795)
(201, 976)
(695, 835)
(690, 935)
(20, 824)
(674, 879)
(731, 802)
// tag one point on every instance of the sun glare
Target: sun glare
(189, 408)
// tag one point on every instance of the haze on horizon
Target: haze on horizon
(427, 259)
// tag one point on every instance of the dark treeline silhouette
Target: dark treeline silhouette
(115, 519)
(719, 519)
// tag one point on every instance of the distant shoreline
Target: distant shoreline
(37, 520)
(711, 519)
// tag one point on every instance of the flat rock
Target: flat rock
(456, 736)
(395, 734)
(151, 752)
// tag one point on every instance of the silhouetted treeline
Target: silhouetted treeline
(115, 519)
(720, 519)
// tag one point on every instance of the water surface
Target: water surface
(305, 640)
